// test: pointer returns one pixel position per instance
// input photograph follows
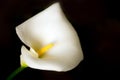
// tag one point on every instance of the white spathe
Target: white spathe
(50, 26)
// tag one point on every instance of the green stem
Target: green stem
(14, 73)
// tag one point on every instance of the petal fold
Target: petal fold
(46, 27)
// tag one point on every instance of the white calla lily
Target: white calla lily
(54, 44)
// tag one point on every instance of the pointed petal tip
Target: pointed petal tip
(55, 4)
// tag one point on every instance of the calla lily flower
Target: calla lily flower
(53, 42)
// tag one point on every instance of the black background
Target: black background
(97, 23)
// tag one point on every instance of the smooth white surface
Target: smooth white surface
(47, 27)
